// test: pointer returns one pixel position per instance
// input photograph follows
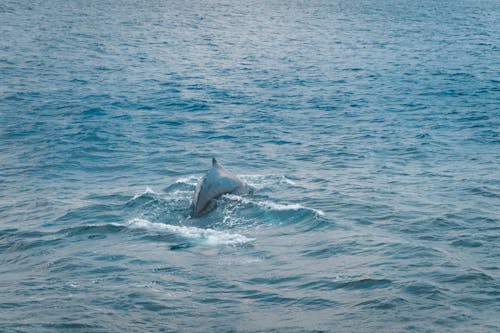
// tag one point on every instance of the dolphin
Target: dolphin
(216, 182)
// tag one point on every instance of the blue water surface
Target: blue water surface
(370, 131)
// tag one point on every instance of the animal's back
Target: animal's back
(215, 183)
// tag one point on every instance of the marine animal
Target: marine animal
(216, 182)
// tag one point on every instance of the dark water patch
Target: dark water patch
(330, 251)
(484, 191)
(266, 298)
(20, 243)
(473, 118)
(113, 199)
(315, 304)
(408, 252)
(94, 112)
(487, 136)
(348, 244)
(91, 213)
(477, 301)
(434, 225)
(222, 137)
(466, 242)
(424, 289)
(68, 265)
(79, 81)
(134, 296)
(181, 246)
(281, 142)
(275, 281)
(105, 270)
(111, 257)
(423, 136)
(323, 284)
(471, 277)
(384, 304)
(87, 230)
(366, 284)
(170, 270)
(454, 321)
(10, 305)
(8, 232)
(218, 301)
(173, 123)
(360, 284)
(74, 326)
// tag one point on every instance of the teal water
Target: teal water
(369, 129)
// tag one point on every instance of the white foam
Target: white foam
(206, 236)
(280, 207)
(256, 181)
(148, 190)
(178, 195)
(288, 181)
(189, 180)
(238, 198)
(263, 181)
(272, 205)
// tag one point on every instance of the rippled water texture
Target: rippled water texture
(369, 129)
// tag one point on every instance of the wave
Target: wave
(208, 236)
(92, 229)
(144, 198)
(146, 192)
(189, 180)
(353, 284)
(270, 205)
(256, 181)
(173, 201)
(260, 182)
(182, 189)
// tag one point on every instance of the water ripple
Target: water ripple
(368, 129)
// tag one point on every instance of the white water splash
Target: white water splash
(267, 204)
(189, 180)
(206, 236)
(178, 195)
(263, 181)
(148, 190)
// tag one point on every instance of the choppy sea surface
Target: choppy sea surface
(370, 131)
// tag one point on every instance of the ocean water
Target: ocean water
(369, 129)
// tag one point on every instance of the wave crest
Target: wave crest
(205, 236)
(270, 205)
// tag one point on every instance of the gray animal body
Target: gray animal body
(216, 182)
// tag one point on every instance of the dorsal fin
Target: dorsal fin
(214, 162)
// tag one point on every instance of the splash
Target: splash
(260, 182)
(147, 191)
(209, 237)
(189, 180)
(269, 205)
